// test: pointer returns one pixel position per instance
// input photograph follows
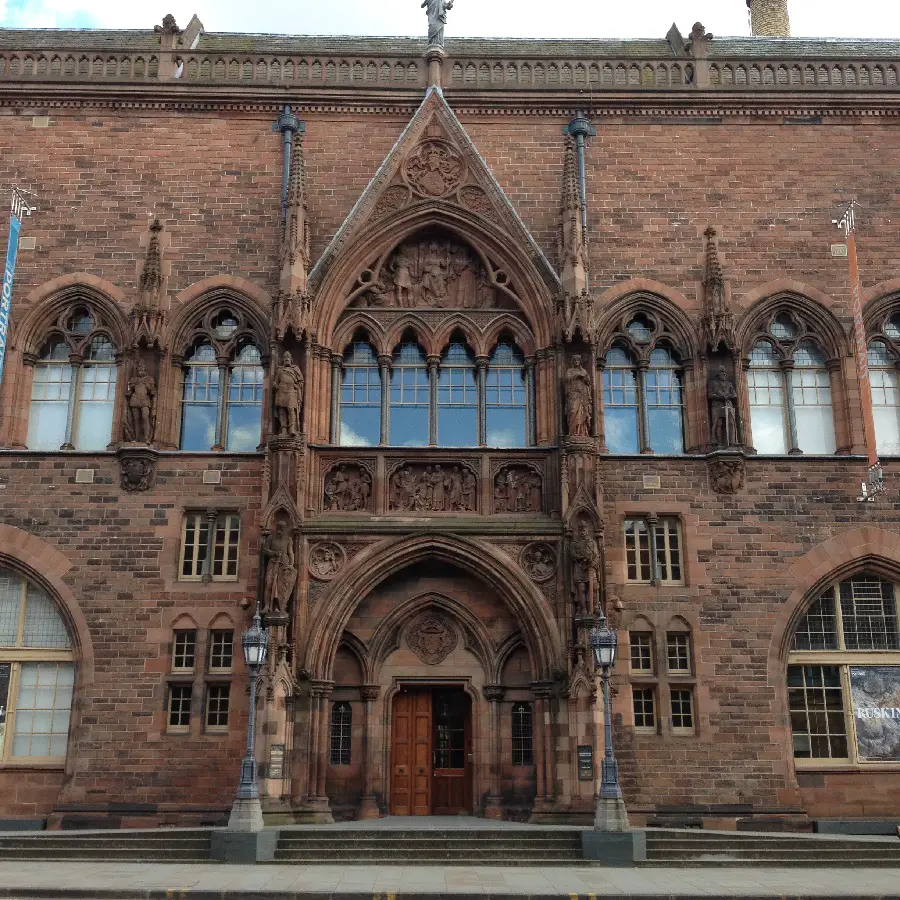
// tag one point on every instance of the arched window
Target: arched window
(410, 397)
(457, 410)
(222, 386)
(506, 398)
(789, 388)
(643, 408)
(522, 735)
(885, 398)
(73, 387)
(341, 733)
(37, 674)
(360, 397)
(843, 674)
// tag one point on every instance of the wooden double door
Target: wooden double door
(431, 752)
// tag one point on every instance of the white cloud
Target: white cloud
(490, 18)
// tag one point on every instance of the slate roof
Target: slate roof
(747, 47)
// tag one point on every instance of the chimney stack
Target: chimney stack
(769, 18)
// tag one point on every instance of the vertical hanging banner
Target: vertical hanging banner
(20, 208)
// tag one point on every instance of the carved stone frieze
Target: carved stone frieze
(538, 560)
(432, 638)
(434, 168)
(348, 488)
(726, 473)
(326, 559)
(475, 199)
(518, 489)
(137, 469)
(416, 487)
(394, 197)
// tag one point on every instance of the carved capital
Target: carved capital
(370, 691)
(494, 692)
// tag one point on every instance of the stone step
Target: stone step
(771, 861)
(750, 853)
(99, 855)
(425, 843)
(434, 851)
(784, 848)
(419, 860)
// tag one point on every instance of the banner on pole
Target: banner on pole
(9, 271)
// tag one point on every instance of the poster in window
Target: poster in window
(5, 670)
(876, 711)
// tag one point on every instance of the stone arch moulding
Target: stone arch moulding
(878, 300)
(535, 295)
(48, 300)
(504, 652)
(480, 559)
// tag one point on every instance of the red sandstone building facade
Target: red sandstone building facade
(506, 402)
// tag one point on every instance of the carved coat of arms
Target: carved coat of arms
(431, 638)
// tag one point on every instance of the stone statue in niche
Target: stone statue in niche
(281, 569)
(579, 403)
(585, 557)
(723, 424)
(517, 489)
(431, 638)
(437, 18)
(348, 488)
(434, 273)
(416, 488)
(288, 397)
(141, 418)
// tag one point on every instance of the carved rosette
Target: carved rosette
(137, 469)
(432, 638)
(347, 487)
(538, 561)
(726, 474)
(325, 560)
(518, 489)
(434, 168)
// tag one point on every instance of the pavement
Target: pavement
(164, 881)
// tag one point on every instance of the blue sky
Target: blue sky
(491, 18)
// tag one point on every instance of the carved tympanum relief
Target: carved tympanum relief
(432, 638)
(348, 488)
(416, 487)
(518, 489)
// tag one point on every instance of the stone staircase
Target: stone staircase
(533, 846)
(162, 845)
(669, 847)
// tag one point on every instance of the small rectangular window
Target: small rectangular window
(641, 651)
(678, 651)
(184, 650)
(816, 704)
(179, 707)
(217, 702)
(225, 548)
(644, 708)
(667, 536)
(522, 735)
(637, 550)
(210, 555)
(194, 545)
(682, 710)
(653, 550)
(221, 650)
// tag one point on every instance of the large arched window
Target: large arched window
(360, 397)
(620, 403)
(410, 421)
(73, 387)
(457, 409)
(37, 674)
(506, 398)
(222, 386)
(789, 388)
(885, 398)
(844, 674)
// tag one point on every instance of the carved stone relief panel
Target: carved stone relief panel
(347, 488)
(325, 560)
(726, 474)
(436, 488)
(518, 489)
(539, 561)
(434, 168)
(432, 638)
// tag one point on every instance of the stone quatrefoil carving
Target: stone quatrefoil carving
(434, 169)
(431, 638)
(326, 560)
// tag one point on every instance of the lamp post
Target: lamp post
(611, 814)
(246, 812)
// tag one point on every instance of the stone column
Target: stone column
(544, 742)
(433, 363)
(368, 807)
(335, 425)
(481, 366)
(325, 689)
(787, 368)
(223, 362)
(384, 371)
(494, 693)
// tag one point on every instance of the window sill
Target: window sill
(216, 731)
(845, 765)
(182, 730)
(36, 764)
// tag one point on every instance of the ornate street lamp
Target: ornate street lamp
(246, 812)
(611, 814)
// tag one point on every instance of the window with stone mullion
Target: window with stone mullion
(885, 383)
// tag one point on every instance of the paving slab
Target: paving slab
(191, 881)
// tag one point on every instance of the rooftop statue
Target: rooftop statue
(437, 19)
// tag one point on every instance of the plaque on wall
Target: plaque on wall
(585, 762)
(875, 692)
(276, 761)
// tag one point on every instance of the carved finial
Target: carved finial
(718, 321)
(169, 26)
(714, 274)
(572, 248)
(295, 239)
(151, 276)
(147, 316)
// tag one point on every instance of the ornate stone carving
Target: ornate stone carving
(288, 397)
(140, 418)
(281, 568)
(148, 319)
(326, 560)
(348, 488)
(431, 272)
(518, 489)
(717, 324)
(394, 197)
(295, 234)
(369, 691)
(723, 422)
(415, 487)
(726, 473)
(493, 693)
(434, 168)
(437, 18)
(474, 198)
(432, 638)
(585, 556)
(137, 469)
(579, 402)
(538, 561)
